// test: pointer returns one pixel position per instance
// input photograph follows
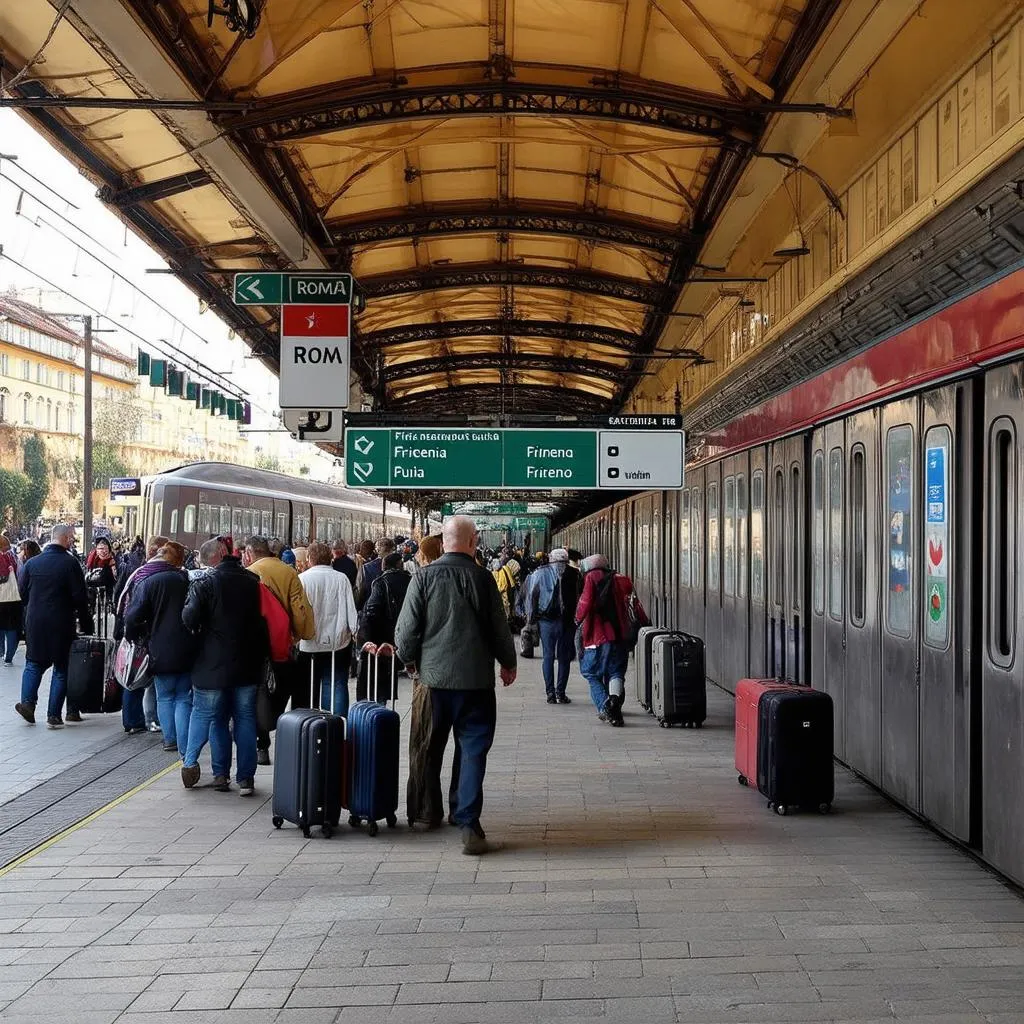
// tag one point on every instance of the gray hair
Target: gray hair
(594, 562)
(212, 551)
(62, 533)
(458, 532)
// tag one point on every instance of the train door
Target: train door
(757, 665)
(945, 613)
(863, 647)
(832, 676)
(1002, 715)
(735, 623)
(786, 523)
(669, 560)
(818, 558)
(899, 537)
(713, 556)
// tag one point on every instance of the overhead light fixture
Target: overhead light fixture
(241, 16)
(794, 245)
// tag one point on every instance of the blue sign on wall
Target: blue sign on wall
(125, 487)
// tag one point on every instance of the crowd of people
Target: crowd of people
(237, 632)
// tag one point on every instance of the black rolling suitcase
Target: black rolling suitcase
(643, 665)
(678, 693)
(794, 749)
(91, 686)
(310, 766)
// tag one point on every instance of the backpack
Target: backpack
(604, 602)
(278, 624)
(553, 609)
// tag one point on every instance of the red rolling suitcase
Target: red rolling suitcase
(748, 693)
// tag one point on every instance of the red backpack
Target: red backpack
(279, 626)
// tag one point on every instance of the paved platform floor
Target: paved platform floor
(639, 883)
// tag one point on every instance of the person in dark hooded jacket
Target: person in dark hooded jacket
(154, 615)
(380, 612)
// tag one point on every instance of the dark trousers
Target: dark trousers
(422, 798)
(471, 715)
(284, 685)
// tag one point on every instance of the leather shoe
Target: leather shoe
(263, 757)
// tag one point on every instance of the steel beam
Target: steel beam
(120, 103)
(486, 398)
(499, 275)
(458, 220)
(153, 191)
(332, 110)
(515, 362)
(611, 337)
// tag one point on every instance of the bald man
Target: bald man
(451, 630)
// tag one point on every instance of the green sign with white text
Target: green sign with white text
(273, 288)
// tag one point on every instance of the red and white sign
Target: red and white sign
(315, 357)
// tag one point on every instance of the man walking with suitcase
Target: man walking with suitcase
(53, 591)
(603, 611)
(452, 628)
(555, 590)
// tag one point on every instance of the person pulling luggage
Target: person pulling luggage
(606, 612)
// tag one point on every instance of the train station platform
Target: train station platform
(638, 882)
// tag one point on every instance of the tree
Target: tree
(38, 472)
(14, 488)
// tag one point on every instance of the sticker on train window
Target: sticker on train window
(937, 537)
(900, 454)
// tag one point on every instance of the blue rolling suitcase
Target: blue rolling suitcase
(309, 768)
(373, 744)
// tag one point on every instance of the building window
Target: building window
(26, 409)
(26, 370)
(5, 364)
(40, 373)
(56, 417)
(60, 380)
(40, 412)
(71, 419)
(49, 414)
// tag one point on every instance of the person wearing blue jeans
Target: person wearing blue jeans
(10, 637)
(604, 668)
(211, 712)
(30, 680)
(223, 613)
(174, 701)
(553, 592)
(132, 717)
(558, 644)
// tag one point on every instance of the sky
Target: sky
(52, 224)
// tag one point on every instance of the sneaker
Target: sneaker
(246, 787)
(602, 717)
(617, 721)
(552, 699)
(137, 730)
(189, 776)
(73, 716)
(54, 722)
(263, 757)
(222, 784)
(562, 699)
(153, 727)
(171, 748)
(27, 712)
(474, 844)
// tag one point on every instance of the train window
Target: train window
(696, 523)
(757, 536)
(189, 524)
(684, 539)
(282, 526)
(729, 540)
(204, 519)
(778, 534)
(1002, 540)
(858, 531)
(174, 522)
(713, 550)
(818, 533)
(225, 520)
(266, 520)
(899, 458)
(938, 539)
(741, 535)
(796, 544)
(158, 517)
(237, 524)
(835, 533)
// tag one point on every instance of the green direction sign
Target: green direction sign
(484, 508)
(272, 288)
(514, 459)
(514, 523)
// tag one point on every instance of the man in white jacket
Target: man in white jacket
(326, 657)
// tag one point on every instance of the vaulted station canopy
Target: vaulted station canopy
(521, 187)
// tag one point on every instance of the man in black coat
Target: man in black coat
(342, 563)
(223, 609)
(53, 593)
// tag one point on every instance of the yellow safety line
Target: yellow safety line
(53, 840)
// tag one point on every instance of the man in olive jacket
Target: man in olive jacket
(451, 630)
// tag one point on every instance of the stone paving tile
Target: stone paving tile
(638, 883)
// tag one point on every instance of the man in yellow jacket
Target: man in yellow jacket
(283, 582)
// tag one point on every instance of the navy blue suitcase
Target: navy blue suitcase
(373, 746)
(309, 769)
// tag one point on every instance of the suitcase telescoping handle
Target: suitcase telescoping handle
(390, 652)
(319, 690)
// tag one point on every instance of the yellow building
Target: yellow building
(41, 391)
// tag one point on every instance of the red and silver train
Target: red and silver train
(863, 532)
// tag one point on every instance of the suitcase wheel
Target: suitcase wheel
(742, 780)
(278, 822)
(371, 828)
(354, 820)
(780, 810)
(824, 808)
(664, 724)
(392, 821)
(327, 831)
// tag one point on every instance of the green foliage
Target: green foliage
(14, 489)
(303, 470)
(265, 461)
(38, 472)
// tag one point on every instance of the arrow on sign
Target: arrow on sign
(249, 287)
(363, 445)
(362, 470)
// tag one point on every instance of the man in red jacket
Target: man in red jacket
(604, 613)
